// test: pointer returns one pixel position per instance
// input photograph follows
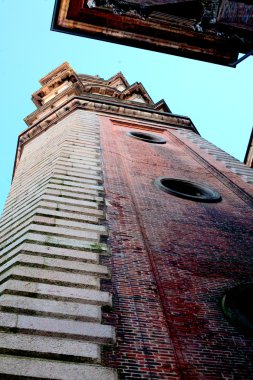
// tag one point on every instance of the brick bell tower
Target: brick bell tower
(126, 242)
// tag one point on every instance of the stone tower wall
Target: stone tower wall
(51, 233)
(79, 178)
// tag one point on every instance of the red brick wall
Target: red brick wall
(172, 260)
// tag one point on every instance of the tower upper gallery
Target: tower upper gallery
(63, 90)
(64, 79)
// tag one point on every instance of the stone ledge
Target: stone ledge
(92, 332)
(75, 184)
(61, 222)
(72, 189)
(79, 172)
(54, 370)
(63, 200)
(66, 216)
(51, 240)
(48, 347)
(72, 194)
(49, 204)
(19, 210)
(47, 276)
(68, 267)
(67, 162)
(52, 308)
(54, 252)
(25, 192)
(41, 290)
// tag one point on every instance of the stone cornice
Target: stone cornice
(101, 105)
(140, 88)
(117, 76)
(75, 88)
(64, 66)
(52, 83)
(86, 92)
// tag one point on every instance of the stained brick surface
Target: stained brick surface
(172, 260)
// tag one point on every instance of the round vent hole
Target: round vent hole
(237, 305)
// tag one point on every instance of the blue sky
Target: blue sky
(216, 98)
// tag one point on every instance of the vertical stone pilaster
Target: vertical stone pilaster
(50, 297)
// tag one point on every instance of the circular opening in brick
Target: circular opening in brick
(237, 305)
(148, 137)
(187, 189)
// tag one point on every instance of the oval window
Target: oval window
(187, 189)
(148, 137)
